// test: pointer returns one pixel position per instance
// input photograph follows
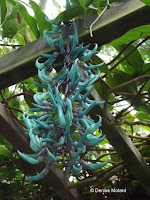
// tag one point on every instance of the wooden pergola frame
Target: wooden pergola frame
(19, 65)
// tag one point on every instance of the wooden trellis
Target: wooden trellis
(19, 65)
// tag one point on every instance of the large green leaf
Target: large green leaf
(31, 21)
(99, 3)
(145, 109)
(10, 28)
(146, 69)
(3, 10)
(70, 13)
(134, 60)
(147, 2)
(134, 34)
(142, 116)
(40, 17)
(12, 15)
(125, 67)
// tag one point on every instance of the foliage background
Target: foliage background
(126, 58)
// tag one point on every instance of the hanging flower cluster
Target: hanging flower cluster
(62, 130)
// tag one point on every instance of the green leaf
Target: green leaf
(40, 17)
(146, 69)
(133, 34)
(20, 39)
(3, 10)
(5, 152)
(8, 172)
(14, 102)
(142, 115)
(28, 18)
(101, 89)
(29, 99)
(145, 109)
(85, 3)
(7, 93)
(12, 15)
(119, 78)
(10, 28)
(99, 3)
(70, 13)
(3, 141)
(147, 2)
(134, 59)
(98, 60)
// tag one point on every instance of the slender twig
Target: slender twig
(119, 87)
(25, 4)
(128, 83)
(120, 53)
(132, 94)
(13, 108)
(106, 154)
(4, 92)
(13, 115)
(22, 93)
(120, 61)
(133, 101)
(11, 45)
(117, 101)
(107, 6)
(108, 169)
(123, 121)
(113, 172)
(120, 114)
(141, 143)
(139, 137)
(99, 149)
(102, 81)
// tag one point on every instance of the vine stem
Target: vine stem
(123, 121)
(107, 6)
(120, 53)
(13, 108)
(119, 87)
(22, 93)
(120, 61)
(11, 45)
(13, 115)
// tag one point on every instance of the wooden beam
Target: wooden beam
(16, 135)
(121, 17)
(124, 146)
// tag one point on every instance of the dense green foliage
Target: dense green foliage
(129, 104)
